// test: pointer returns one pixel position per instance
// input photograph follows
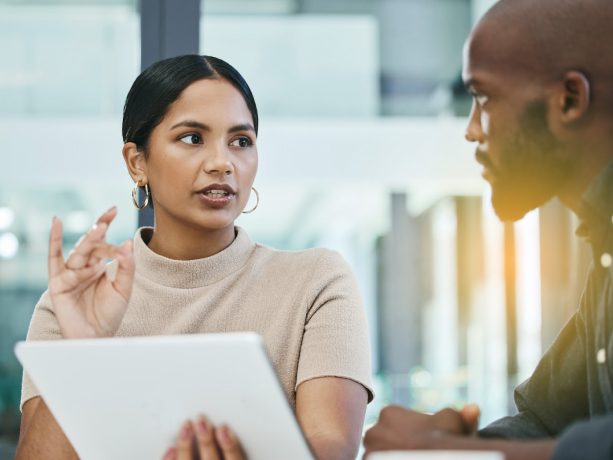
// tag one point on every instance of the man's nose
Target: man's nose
(474, 130)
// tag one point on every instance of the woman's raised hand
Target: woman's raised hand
(87, 301)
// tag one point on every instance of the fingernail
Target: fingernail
(202, 427)
(225, 436)
(186, 431)
(472, 406)
(169, 453)
(111, 208)
(53, 220)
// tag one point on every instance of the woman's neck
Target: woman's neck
(187, 243)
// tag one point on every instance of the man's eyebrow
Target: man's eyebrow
(192, 124)
(242, 127)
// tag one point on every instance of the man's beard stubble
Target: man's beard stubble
(530, 173)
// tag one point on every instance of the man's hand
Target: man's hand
(404, 429)
(470, 414)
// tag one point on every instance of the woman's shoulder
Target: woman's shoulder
(314, 258)
(310, 270)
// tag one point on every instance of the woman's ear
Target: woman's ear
(136, 163)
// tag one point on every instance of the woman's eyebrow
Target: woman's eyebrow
(191, 124)
(243, 127)
(203, 127)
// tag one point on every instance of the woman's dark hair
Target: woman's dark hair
(158, 86)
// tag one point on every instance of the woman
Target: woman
(190, 128)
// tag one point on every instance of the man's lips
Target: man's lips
(483, 159)
(489, 172)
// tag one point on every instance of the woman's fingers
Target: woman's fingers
(171, 454)
(87, 246)
(105, 218)
(75, 280)
(85, 276)
(80, 255)
(108, 216)
(101, 251)
(212, 443)
(185, 442)
(67, 280)
(55, 258)
(205, 439)
(125, 269)
(98, 255)
(229, 444)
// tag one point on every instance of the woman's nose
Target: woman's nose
(217, 161)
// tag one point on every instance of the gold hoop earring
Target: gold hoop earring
(257, 203)
(135, 196)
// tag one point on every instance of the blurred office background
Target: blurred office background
(361, 150)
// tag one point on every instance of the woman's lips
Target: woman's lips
(216, 199)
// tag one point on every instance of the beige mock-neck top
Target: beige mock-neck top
(305, 304)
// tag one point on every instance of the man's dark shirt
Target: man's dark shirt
(570, 394)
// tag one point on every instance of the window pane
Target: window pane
(64, 73)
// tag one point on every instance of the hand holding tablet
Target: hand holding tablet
(126, 398)
(200, 439)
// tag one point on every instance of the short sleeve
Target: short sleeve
(335, 341)
(43, 326)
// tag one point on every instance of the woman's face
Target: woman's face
(202, 158)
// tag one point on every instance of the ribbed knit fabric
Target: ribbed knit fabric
(305, 304)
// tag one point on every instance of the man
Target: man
(541, 76)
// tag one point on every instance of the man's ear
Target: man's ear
(571, 101)
(136, 163)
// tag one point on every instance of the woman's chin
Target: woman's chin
(218, 221)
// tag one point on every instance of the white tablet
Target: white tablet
(126, 398)
(437, 455)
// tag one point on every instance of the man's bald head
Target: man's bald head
(549, 37)
(541, 76)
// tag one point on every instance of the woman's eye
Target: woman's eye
(241, 142)
(191, 139)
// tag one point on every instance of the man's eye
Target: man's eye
(241, 142)
(481, 99)
(191, 139)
